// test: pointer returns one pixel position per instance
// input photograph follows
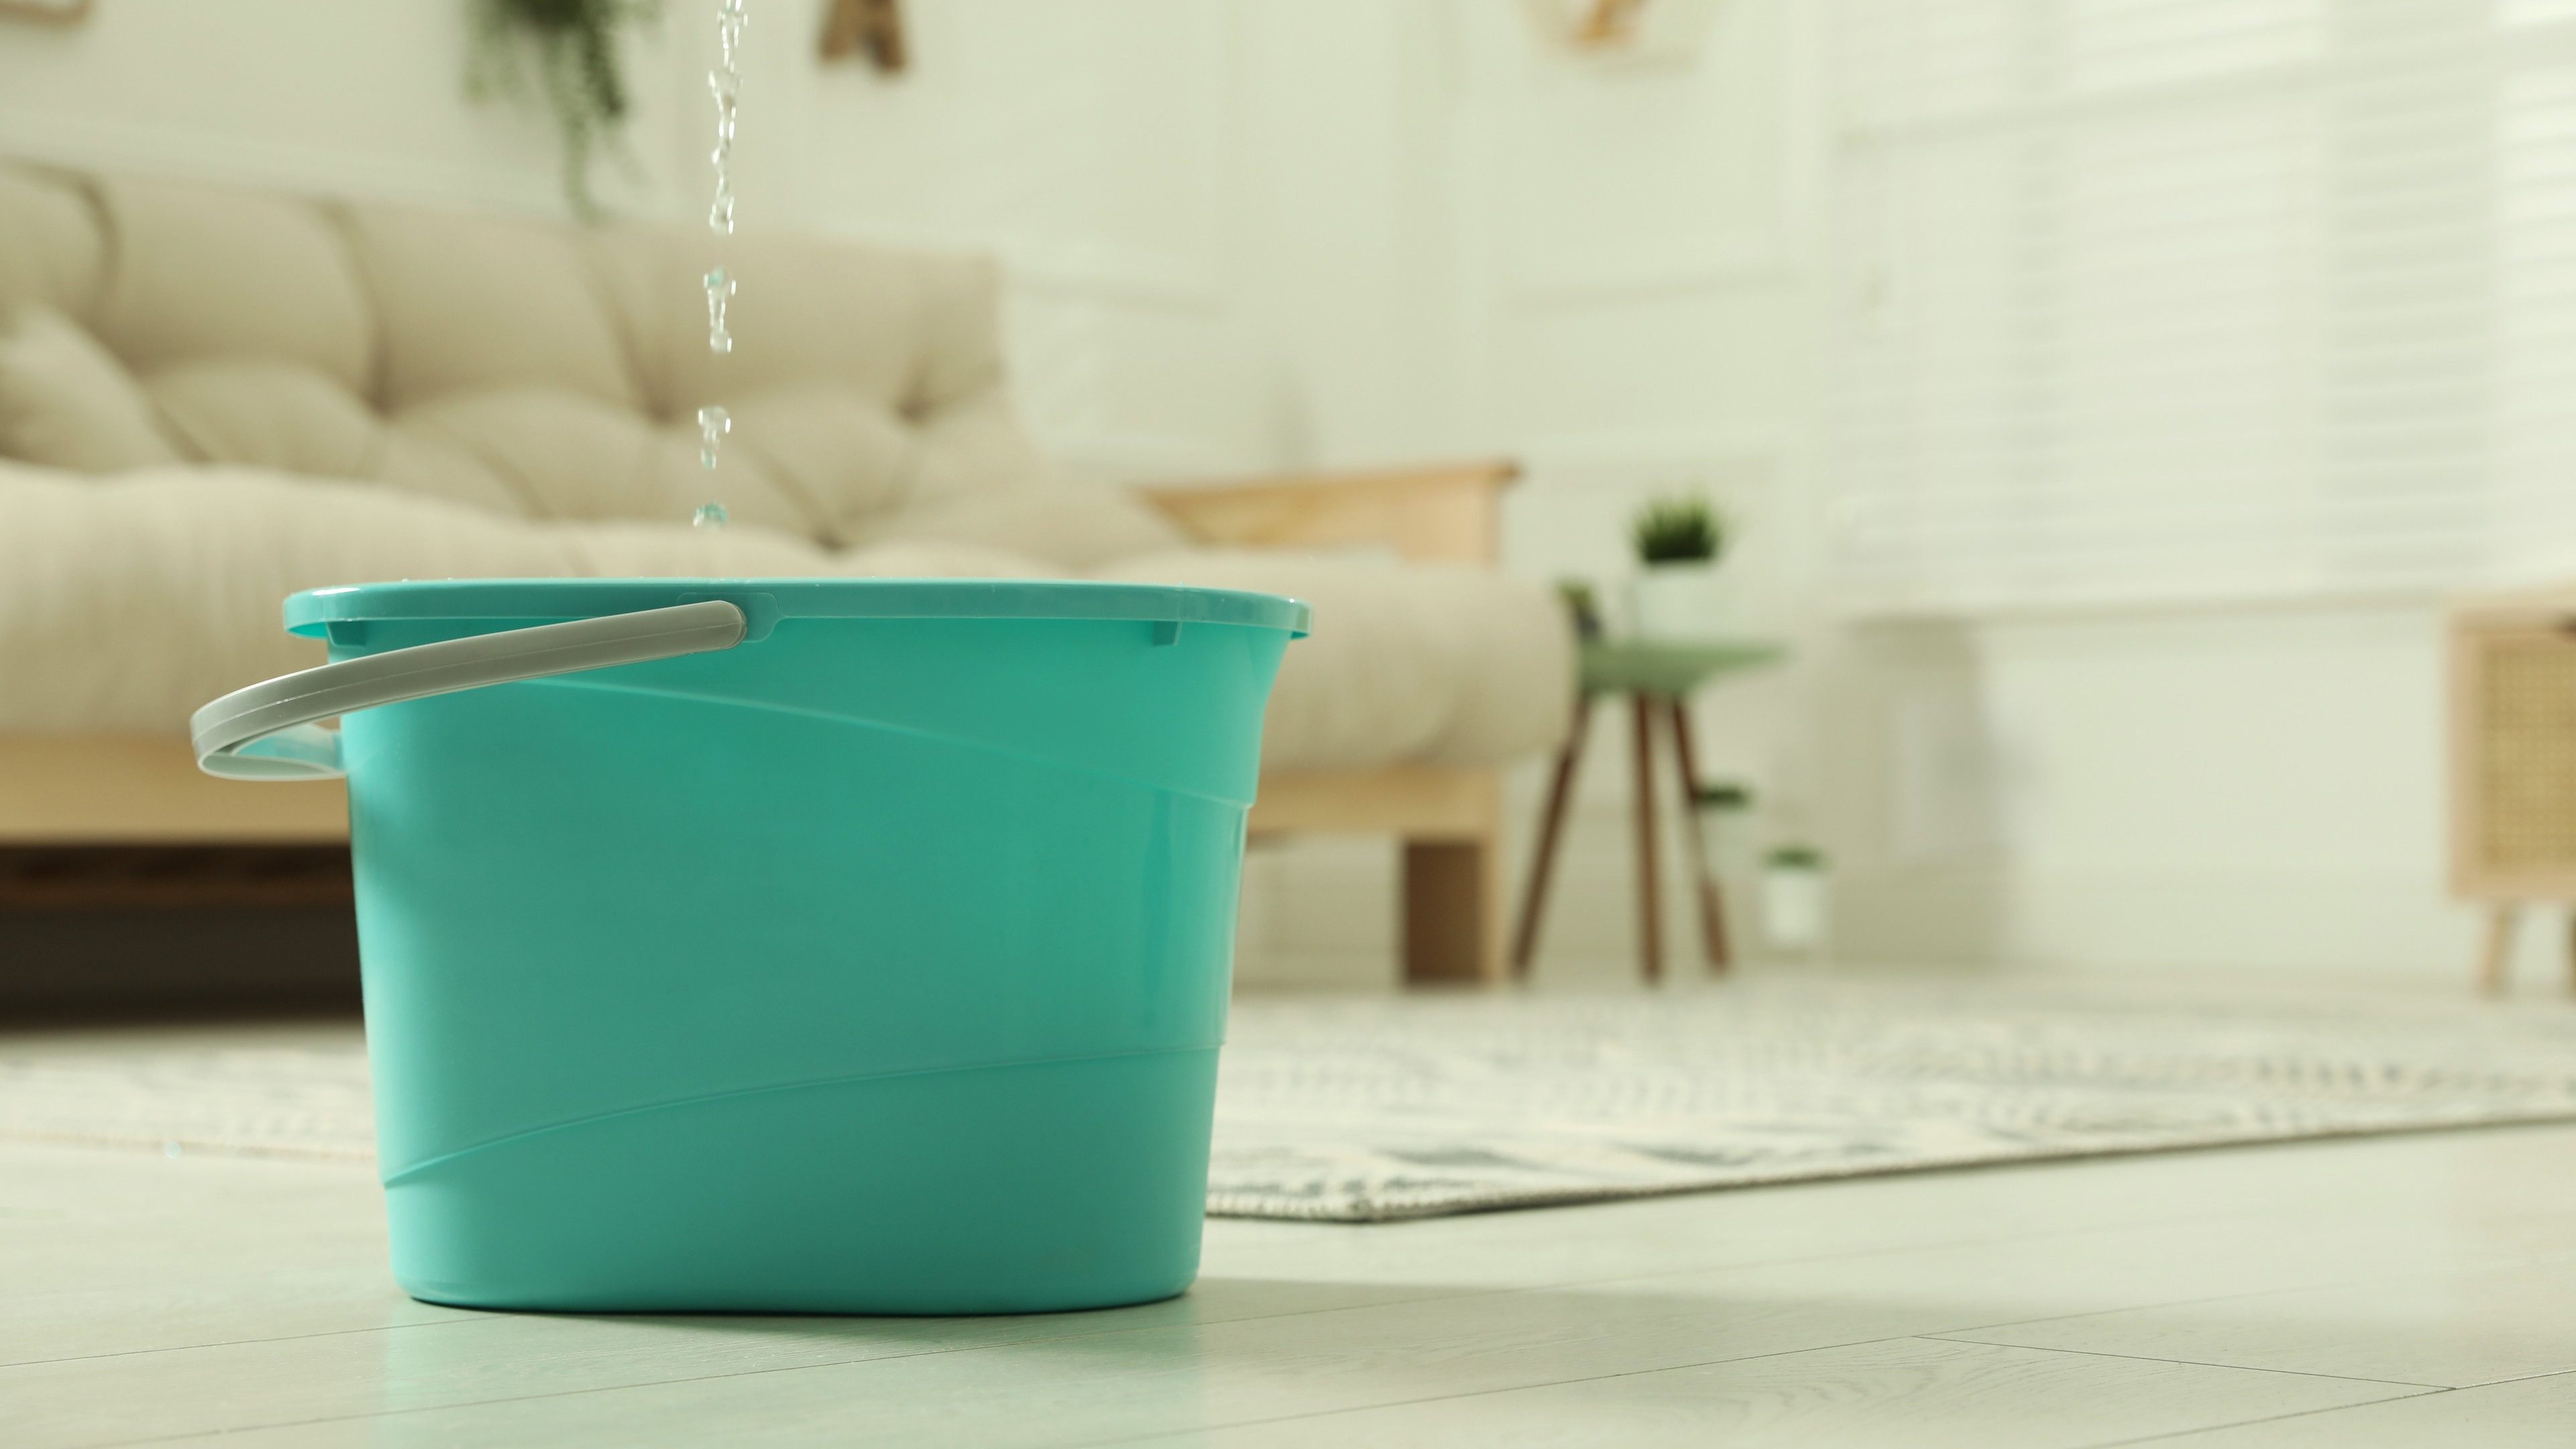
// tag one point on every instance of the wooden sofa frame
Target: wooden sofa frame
(118, 820)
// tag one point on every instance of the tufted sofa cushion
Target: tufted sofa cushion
(535, 370)
(193, 273)
(358, 392)
(66, 403)
(128, 602)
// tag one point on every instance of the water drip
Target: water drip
(713, 424)
(724, 83)
(720, 290)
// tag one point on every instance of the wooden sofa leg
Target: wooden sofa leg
(1453, 910)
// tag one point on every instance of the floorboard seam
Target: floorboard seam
(2523, 1261)
(1961, 1337)
(2181, 1434)
(716, 1377)
(1949, 1335)
(1752, 1358)
(238, 1342)
(1551, 1285)
(1485, 1393)
(1083, 1444)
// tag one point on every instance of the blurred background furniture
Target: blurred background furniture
(1658, 677)
(2513, 763)
(211, 398)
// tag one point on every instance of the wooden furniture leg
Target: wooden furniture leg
(1712, 901)
(2498, 952)
(1453, 928)
(1650, 937)
(1551, 828)
(1450, 822)
(1453, 891)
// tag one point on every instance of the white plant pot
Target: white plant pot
(1674, 601)
(1795, 904)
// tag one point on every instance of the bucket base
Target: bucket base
(1011, 1189)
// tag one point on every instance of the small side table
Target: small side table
(1657, 676)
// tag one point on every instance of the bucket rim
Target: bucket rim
(311, 612)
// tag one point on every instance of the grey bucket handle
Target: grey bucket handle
(271, 731)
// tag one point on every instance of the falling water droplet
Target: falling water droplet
(724, 83)
(713, 424)
(731, 15)
(720, 289)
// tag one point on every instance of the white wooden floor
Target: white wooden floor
(2396, 1291)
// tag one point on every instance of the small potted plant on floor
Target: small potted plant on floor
(1795, 906)
(1678, 542)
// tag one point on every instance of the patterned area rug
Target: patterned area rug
(1355, 1111)
(1374, 1109)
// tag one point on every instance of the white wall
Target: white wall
(307, 94)
(1629, 283)
(1095, 147)
(1221, 221)
(1247, 233)
(2222, 791)
(2214, 791)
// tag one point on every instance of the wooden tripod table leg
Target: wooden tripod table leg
(1712, 900)
(1551, 829)
(1650, 926)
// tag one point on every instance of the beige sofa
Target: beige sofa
(211, 398)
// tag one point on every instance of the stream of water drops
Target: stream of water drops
(725, 84)
(725, 81)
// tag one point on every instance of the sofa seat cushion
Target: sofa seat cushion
(137, 598)
(1068, 525)
(197, 272)
(132, 600)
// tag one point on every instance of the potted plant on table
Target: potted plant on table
(1679, 541)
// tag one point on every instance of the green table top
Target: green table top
(1669, 666)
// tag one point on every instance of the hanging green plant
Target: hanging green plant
(564, 54)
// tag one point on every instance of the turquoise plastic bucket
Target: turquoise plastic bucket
(876, 963)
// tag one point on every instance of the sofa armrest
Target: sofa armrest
(1434, 513)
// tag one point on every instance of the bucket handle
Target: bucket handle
(270, 731)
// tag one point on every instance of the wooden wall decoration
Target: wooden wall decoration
(873, 27)
(1666, 31)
